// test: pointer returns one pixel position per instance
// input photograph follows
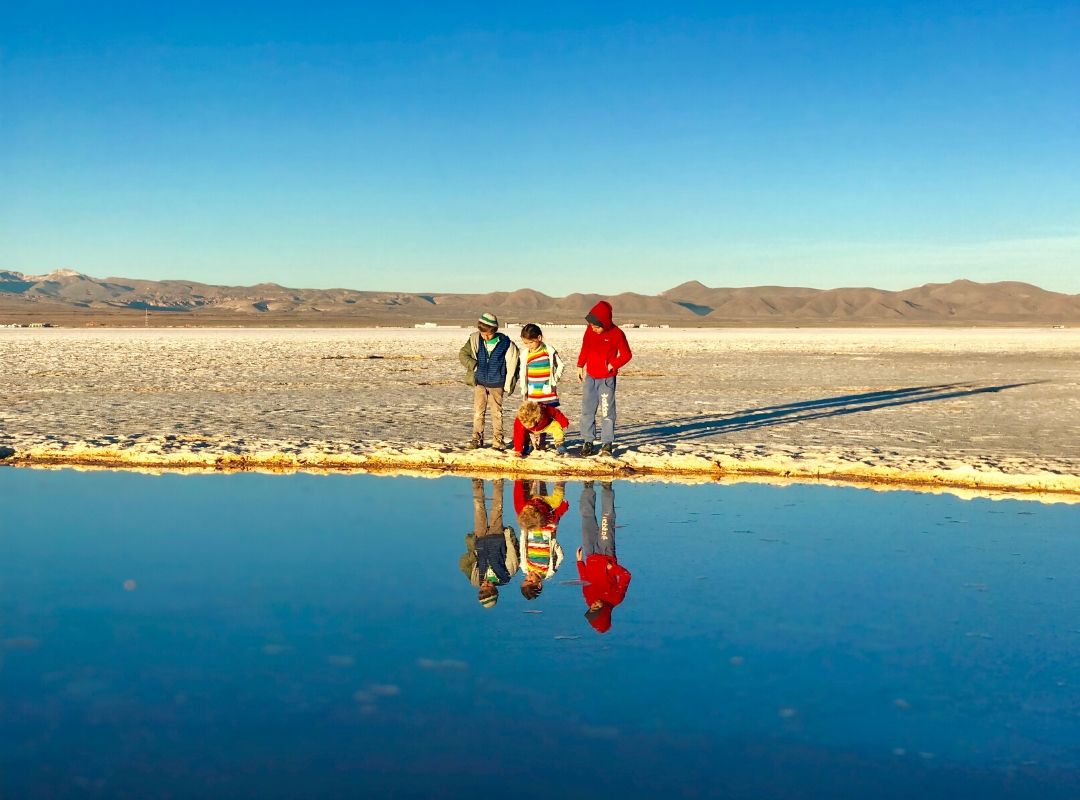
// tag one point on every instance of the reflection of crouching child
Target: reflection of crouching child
(536, 420)
(491, 556)
(541, 553)
(605, 581)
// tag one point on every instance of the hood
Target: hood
(601, 618)
(600, 314)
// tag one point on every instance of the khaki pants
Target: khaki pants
(485, 524)
(485, 397)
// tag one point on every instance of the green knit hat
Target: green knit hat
(488, 318)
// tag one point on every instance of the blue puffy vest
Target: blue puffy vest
(491, 368)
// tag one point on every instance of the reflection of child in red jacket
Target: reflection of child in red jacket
(605, 580)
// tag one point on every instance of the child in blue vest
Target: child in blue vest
(491, 368)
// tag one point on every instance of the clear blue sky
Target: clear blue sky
(563, 146)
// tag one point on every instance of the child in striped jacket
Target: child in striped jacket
(541, 368)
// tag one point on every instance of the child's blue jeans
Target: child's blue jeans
(598, 396)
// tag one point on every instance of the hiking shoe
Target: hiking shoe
(606, 450)
(587, 449)
(498, 444)
(476, 441)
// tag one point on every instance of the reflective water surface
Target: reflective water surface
(334, 636)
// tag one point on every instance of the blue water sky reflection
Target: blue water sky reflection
(278, 636)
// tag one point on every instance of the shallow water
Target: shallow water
(268, 636)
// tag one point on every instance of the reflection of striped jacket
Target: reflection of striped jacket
(540, 550)
(540, 372)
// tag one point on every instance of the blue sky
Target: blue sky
(563, 146)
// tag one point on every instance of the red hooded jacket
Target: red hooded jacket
(604, 580)
(602, 354)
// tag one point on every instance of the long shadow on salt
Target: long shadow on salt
(698, 427)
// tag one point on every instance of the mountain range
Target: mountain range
(68, 297)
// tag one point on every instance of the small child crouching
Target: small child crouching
(533, 421)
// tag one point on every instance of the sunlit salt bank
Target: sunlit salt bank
(303, 635)
(966, 408)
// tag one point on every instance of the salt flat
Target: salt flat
(994, 409)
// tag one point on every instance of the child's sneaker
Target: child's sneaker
(476, 441)
(587, 449)
(606, 450)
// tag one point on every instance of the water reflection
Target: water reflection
(539, 514)
(605, 581)
(491, 550)
(493, 554)
(303, 636)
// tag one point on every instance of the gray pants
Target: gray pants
(485, 397)
(598, 393)
(485, 524)
(598, 538)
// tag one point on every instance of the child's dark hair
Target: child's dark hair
(483, 326)
(531, 332)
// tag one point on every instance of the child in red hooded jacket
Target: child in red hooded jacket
(604, 350)
(605, 581)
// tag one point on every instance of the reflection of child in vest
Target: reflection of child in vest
(605, 581)
(491, 556)
(538, 514)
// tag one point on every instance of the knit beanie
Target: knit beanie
(489, 319)
(489, 601)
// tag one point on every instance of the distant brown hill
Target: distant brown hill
(69, 297)
(963, 301)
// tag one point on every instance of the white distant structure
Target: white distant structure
(425, 325)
